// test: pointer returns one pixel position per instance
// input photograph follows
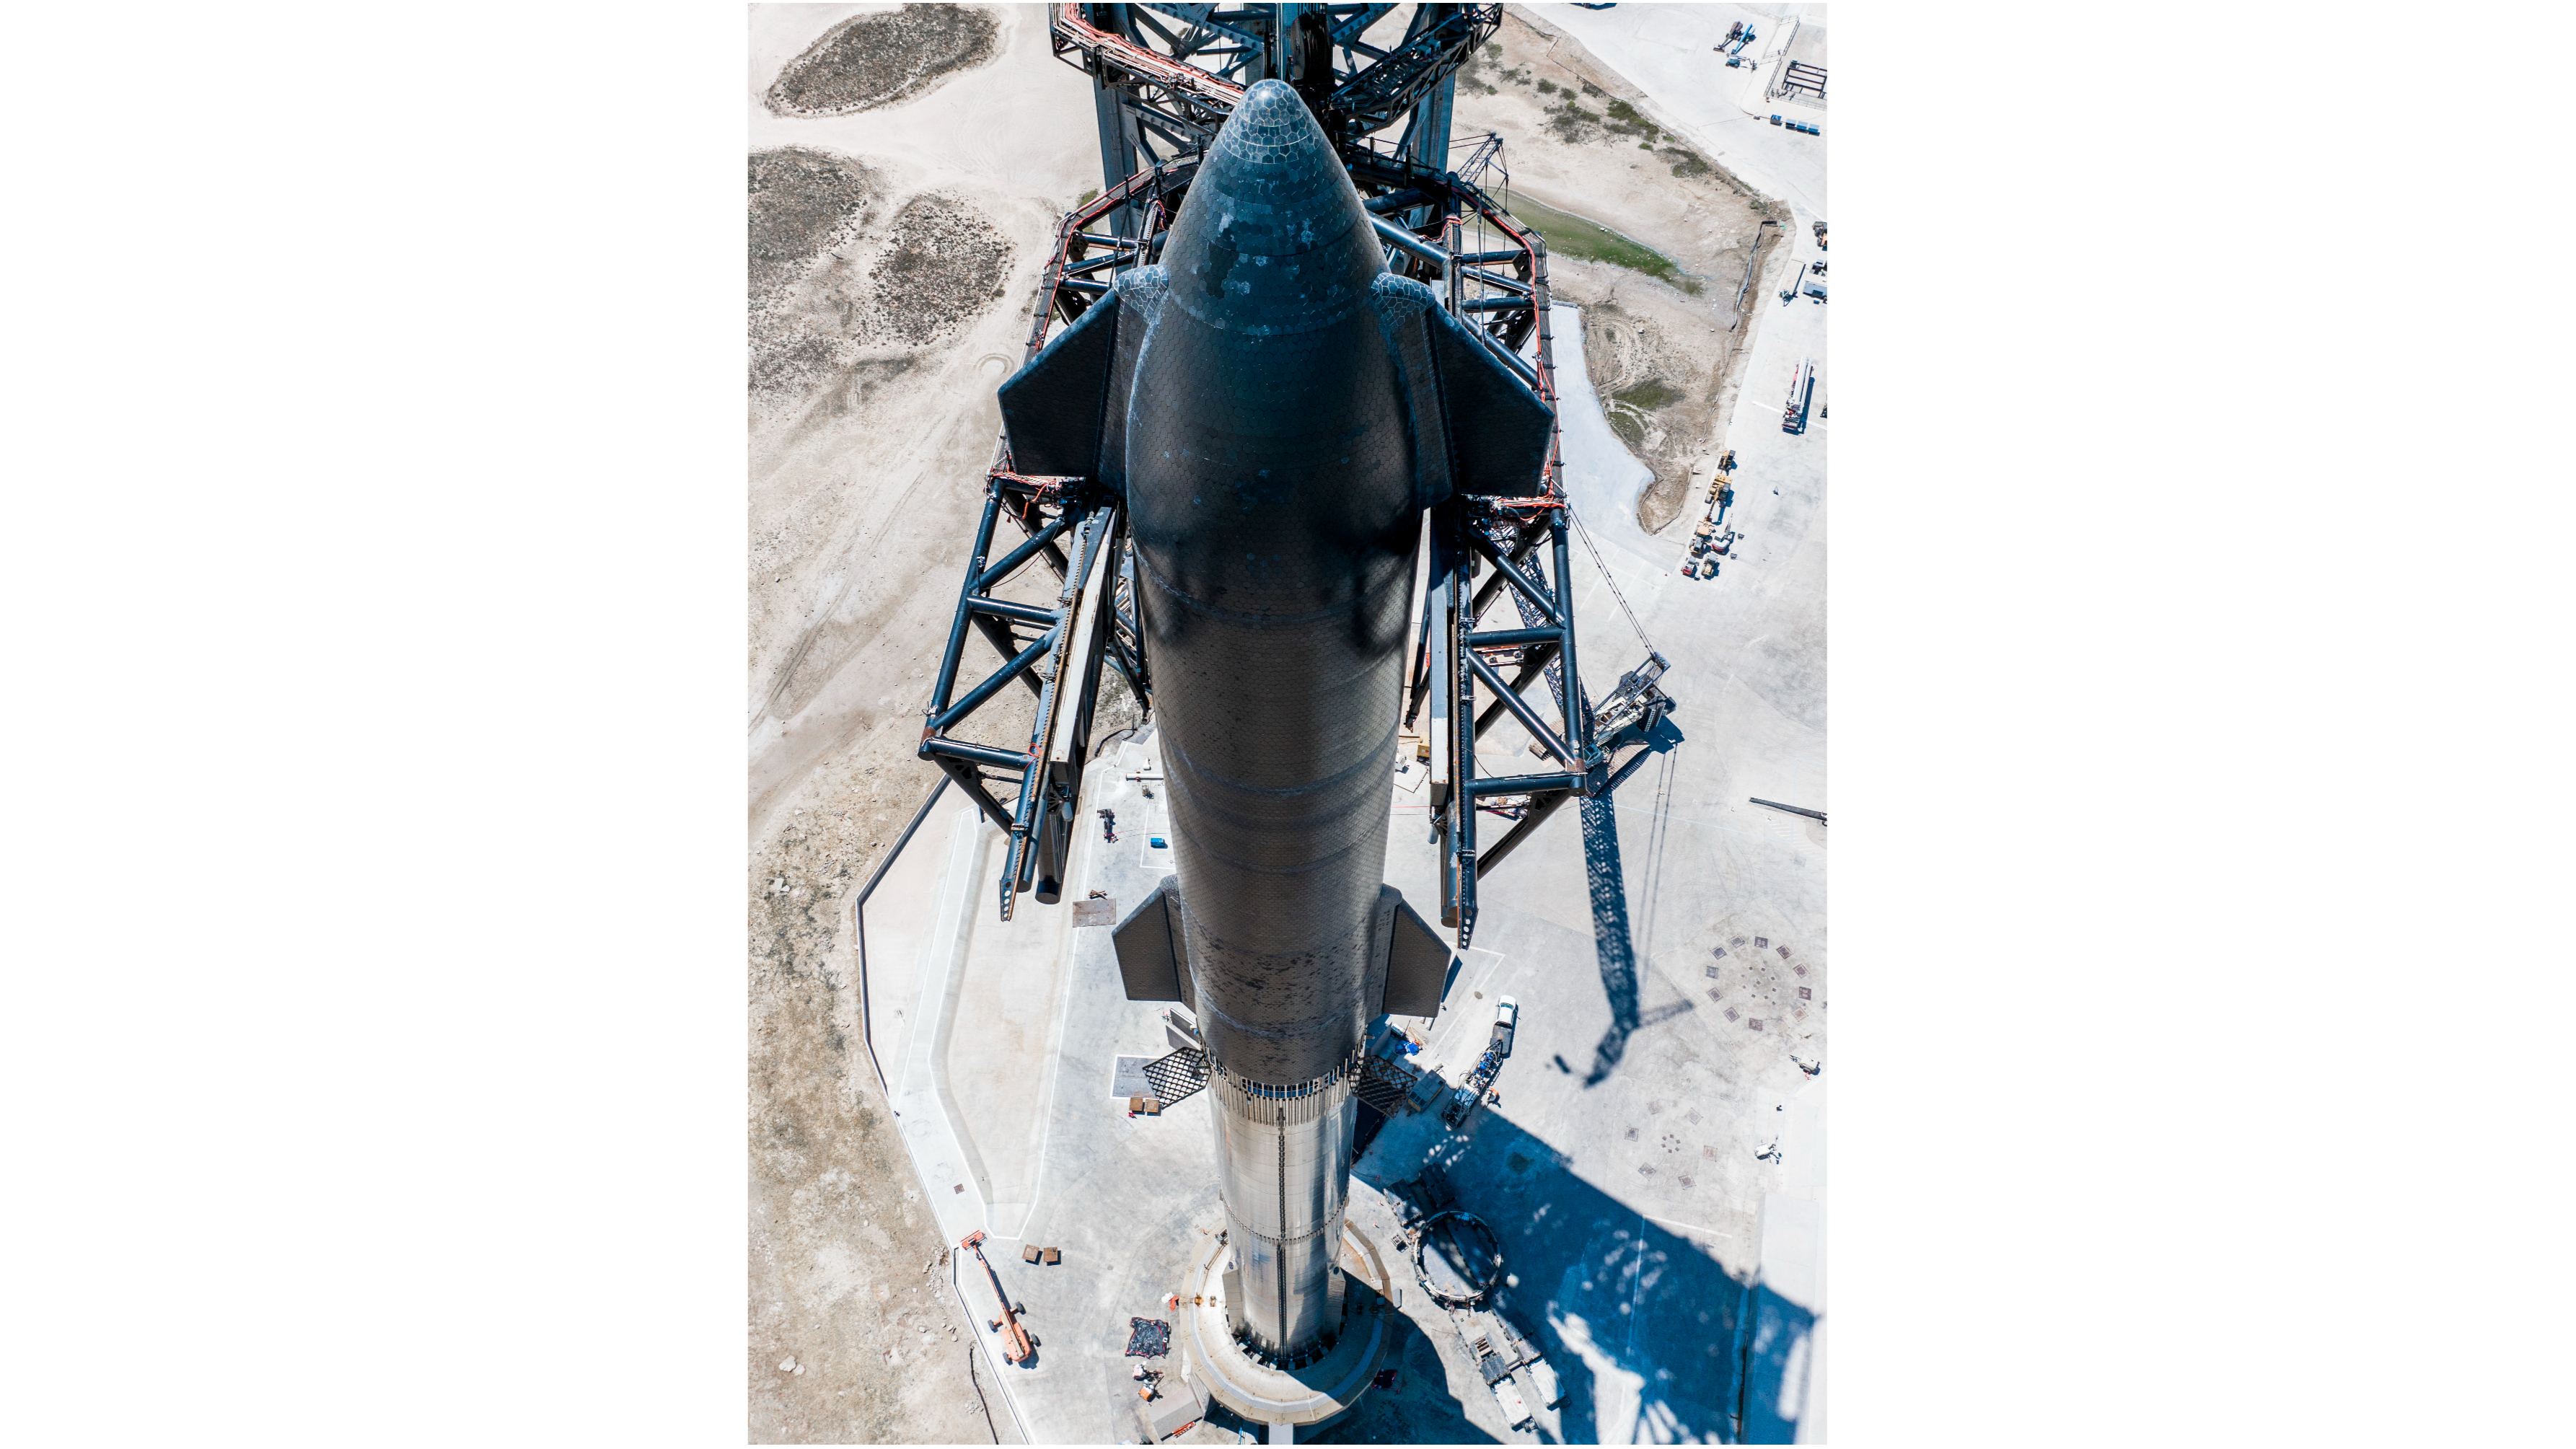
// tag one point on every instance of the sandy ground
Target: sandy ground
(895, 249)
(1663, 357)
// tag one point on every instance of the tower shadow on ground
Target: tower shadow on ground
(1652, 1336)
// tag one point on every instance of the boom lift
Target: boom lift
(1017, 1346)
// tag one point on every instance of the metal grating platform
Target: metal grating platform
(1386, 1086)
(1176, 1076)
(1803, 81)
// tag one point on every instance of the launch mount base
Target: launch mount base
(1291, 1399)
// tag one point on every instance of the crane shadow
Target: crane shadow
(1663, 739)
(1615, 950)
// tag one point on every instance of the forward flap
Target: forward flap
(1053, 408)
(1498, 428)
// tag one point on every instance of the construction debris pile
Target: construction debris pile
(1148, 1338)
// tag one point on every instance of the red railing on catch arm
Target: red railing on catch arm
(1073, 228)
(1534, 250)
(1181, 75)
(1389, 169)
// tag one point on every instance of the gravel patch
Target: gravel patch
(875, 60)
(802, 201)
(845, 298)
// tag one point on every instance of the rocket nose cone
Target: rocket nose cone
(1272, 235)
(1270, 185)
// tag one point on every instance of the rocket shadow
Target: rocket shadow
(1418, 1410)
(1605, 877)
(1652, 1337)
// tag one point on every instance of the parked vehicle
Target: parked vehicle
(1802, 393)
(1471, 1094)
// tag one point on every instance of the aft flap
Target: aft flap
(1498, 428)
(1417, 966)
(1148, 944)
(1052, 409)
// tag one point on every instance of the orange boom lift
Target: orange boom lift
(1015, 1340)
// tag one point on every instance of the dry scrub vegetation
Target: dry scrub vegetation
(834, 297)
(861, 290)
(1645, 232)
(875, 60)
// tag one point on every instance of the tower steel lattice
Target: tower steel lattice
(1165, 79)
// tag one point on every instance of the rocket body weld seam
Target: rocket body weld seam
(1264, 619)
(1174, 753)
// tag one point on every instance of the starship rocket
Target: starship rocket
(1277, 410)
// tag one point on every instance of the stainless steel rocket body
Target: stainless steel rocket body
(1270, 488)
(1278, 411)
(1284, 1156)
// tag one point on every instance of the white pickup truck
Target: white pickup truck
(1507, 1015)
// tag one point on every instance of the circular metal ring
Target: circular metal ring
(1493, 1256)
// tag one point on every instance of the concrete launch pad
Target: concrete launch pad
(1651, 1162)
(1647, 1151)
(1653, 1167)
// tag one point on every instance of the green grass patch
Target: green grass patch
(1624, 117)
(1546, 87)
(1649, 395)
(1631, 431)
(1573, 236)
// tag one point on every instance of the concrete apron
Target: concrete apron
(931, 1131)
(977, 1143)
(1290, 1399)
(934, 1062)
(960, 1145)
